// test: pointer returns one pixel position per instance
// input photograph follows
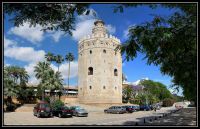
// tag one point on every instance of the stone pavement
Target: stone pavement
(183, 117)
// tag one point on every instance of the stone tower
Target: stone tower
(99, 67)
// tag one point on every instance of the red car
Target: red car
(42, 109)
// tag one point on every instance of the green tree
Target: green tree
(49, 80)
(51, 16)
(156, 90)
(127, 94)
(49, 57)
(15, 79)
(69, 57)
(59, 59)
(169, 43)
(41, 70)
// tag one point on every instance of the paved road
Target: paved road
(94, 118)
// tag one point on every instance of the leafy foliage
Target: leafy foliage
(49, 80)
(127, 93)
(168, 102)
(56, 104)
(169, 43)
(156, 89)
(51, 16)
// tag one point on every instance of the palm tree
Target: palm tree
(14, 79)
(49, 79)
(69, 57)
(23, 77)
(49, 57)
(42, 70)
(59, 59)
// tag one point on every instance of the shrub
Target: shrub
(56, 104)
(47, 99)
(10, 107)
(168, 102)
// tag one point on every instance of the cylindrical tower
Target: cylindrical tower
(99, 67)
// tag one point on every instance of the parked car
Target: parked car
(79, 111)
(136, 108)
(115, 109)
(157, 106)
(63, 111)
(145, 107)
(42, 109)
(129, 109)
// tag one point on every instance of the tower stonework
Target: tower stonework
(99, 67)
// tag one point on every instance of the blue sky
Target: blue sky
(24, 46)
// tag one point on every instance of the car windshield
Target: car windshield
(79, 108)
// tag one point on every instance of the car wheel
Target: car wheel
(38, 115)
(59, 115)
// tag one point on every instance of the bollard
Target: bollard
(136, 123)
(144, 120)
(150, 120)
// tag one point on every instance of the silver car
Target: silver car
(115, 109)
(79, 111)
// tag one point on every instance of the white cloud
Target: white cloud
(138, 81)
(8, 43)
(32, 34)
(92, 15)
(111, 29)
(30, 70)
(85, 24)
(83, 28)
(64, 69)
(57, 35)
(35, 34)
(26, 54)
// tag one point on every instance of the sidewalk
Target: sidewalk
(183, 117)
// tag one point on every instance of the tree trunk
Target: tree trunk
(68, 78)
(43, 95)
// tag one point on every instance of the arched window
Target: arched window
(115, 72)
(90, 71)
(104, 51)
(90, 51)
(90, 87)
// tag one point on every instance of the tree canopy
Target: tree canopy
(51, 16)
(170, 43)
(167, 42)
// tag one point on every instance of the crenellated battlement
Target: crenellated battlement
(92, 36)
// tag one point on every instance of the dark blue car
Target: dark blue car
(145, 107)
